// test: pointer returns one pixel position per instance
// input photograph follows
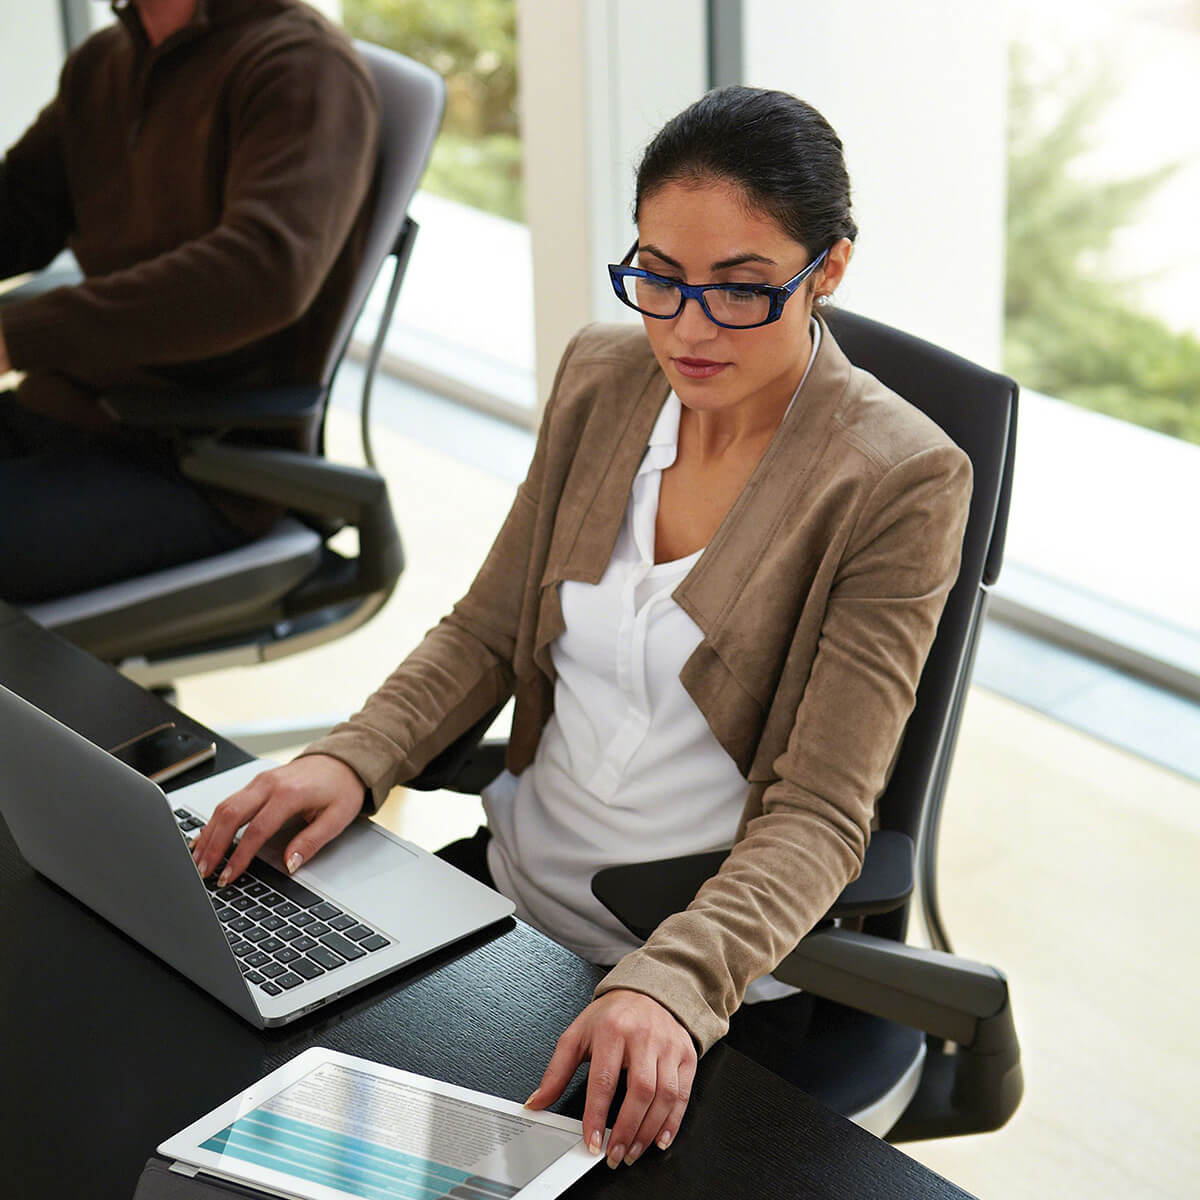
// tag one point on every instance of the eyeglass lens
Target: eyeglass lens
(659, 298)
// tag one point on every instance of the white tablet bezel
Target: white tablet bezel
(186, 1146)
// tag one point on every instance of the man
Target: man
(208, 162)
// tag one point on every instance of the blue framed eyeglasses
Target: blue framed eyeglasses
(730, 305)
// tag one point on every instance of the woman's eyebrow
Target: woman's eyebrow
(724, 265)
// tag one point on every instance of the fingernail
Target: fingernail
(594, 1144)
(615, 1154)
(664, 1139)
(293, 863)
(533, 1096)
(202, 867)
(635, 1152)
(223, 878)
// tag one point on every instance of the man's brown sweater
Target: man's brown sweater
(212, 189)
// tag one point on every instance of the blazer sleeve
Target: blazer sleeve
(795, 858)
(464, 666)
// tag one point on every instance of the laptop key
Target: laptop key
(272, 989)
(286, 909)
(226, 914)
(375, 942)
(317, 929)
(342, 922)
(273, 900)
(359, 932)
(272, 969)
(258, 912)
(271, 922)
(256, 960)
(240, 924)
(326, 958)
(345, 948)
(303, 918)
(256, 934)
(271, 945)
(304, 942)
(254, 888)
(296, 892)
(228, 893)
(241, 903)
(242, 948)
(289, 933)
(290, 980)
(307, 968)
(286, 955)
(325, 910)
(254, 977)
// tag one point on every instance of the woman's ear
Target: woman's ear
(829, 278)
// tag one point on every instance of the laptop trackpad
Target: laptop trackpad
(354, 857)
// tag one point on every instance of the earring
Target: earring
(824, 298)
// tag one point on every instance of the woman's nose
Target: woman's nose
(693, 324)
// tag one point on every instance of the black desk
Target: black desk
(104, 1051)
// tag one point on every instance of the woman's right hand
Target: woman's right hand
(322, 791)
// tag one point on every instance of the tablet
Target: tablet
(327, 1126)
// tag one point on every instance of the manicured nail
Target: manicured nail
(635, 1152)
(594, 1144)
(224, 878)
(533, 1096)
(202, 867)
(615, 1154)
(664, 1139)
(293, 863)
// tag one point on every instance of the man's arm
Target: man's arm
(36, 215)
(304, 144)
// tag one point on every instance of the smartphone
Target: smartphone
(163, 752)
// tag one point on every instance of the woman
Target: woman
(712, 599)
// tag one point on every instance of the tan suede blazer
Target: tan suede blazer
(818, 598)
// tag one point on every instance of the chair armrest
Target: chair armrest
(972, 1090)
(296, 406)
(318, 489)
(642, 895)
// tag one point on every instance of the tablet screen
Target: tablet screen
(346, 1127)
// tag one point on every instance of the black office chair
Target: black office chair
(289, 589)
(912, 1043)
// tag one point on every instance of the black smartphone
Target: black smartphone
(165, 751)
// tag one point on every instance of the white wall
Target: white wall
(30, 55)
(918, 93)
(598, 77)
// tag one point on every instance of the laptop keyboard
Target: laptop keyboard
(281, 933)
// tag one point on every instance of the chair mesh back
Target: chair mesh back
(411, 99)
(978, 409)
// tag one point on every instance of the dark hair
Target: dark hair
(779, 150)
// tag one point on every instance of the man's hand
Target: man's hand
(321, 790)
(625, 1029)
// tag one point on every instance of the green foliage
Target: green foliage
(472, 44)
(1071, 331)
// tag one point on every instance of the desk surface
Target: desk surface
(105, 1051)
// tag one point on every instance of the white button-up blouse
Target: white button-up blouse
(627, 768)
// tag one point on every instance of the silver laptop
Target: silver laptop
(271, 946)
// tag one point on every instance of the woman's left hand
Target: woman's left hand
(625, 1029)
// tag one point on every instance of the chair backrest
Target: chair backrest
(978, 409)
(411, 101)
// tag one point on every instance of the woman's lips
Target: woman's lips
(698, 368)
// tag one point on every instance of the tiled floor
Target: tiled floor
(1067, 862)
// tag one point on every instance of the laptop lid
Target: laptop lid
(108, 836)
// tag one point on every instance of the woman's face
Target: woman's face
(708, 233)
